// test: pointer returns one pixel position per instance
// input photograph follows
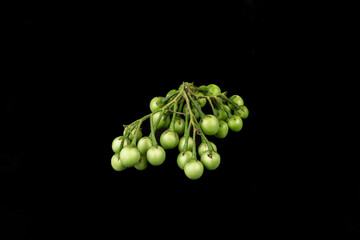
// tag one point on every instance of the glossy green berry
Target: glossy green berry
(210, 159)
(223, 130)
(117, 142)
(183, 158)
(179, 126)
(156, 155)
(116, 163)
(142, 164)
(144, 144)
(181, 145)
(237, 100)
(203, 147)
(243, 112)
(235, 123)
(129, 156)
(209, 124)
(194, 169)
(169, 139)
(156, 103)
(213, 90)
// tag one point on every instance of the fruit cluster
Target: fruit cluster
(179, 111)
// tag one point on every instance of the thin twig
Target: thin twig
(197, 131)
(178, 112)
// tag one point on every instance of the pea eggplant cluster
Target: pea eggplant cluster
(181, 112)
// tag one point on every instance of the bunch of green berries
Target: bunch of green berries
(181, 112)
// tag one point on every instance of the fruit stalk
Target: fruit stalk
(195, 123)
(212, 106)
(237, 107)
(187, 133)
(198, 108)
(194, 145)
(164, 100)
(172, 124)
(152, 134)
(133, 143)
(203, 135)
(225, 109)
(162, 108)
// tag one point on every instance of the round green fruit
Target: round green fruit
(156, 155)
(210, 159)
(171, 92)
(213, 90)
(203, 147)
(117, 142)
(142, 164)
(116, 163)
(144, 144)
(223, 130)
(194, 169)
(163, 122)
(209, 124)
(221, 114)
(169, 139)
(227, 108)
(183, 158)
(201, 101)
(235, 123)
(156, 103)
(193, 110)
(139, 134)
(181, 145)
(133, 132)
(243, 112)
(179, 126)
(236, 99)
(129, 156)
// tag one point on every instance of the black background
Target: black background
(74, 77)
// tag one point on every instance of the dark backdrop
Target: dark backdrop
(74, 78)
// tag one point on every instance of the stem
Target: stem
(127, 132)
(237, 107)
(126, 135)
(187, 134)
(186, 128)
(179, 110)
(194, 145)
(195, 123)
(130, 128)
(159, 119)
(133, 143)
(178, 113)
(152, 134)
(202, 139)
(172, 124)
(163, 108)
(171, 100)
(199, 96)
(204, 90)
(164, 100)
(188, 105)
(212, 106)
(225, 109)
(198, 108)
(210, 148)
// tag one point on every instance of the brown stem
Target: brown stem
(178, 112)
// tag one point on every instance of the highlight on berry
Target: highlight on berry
(180, 115)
